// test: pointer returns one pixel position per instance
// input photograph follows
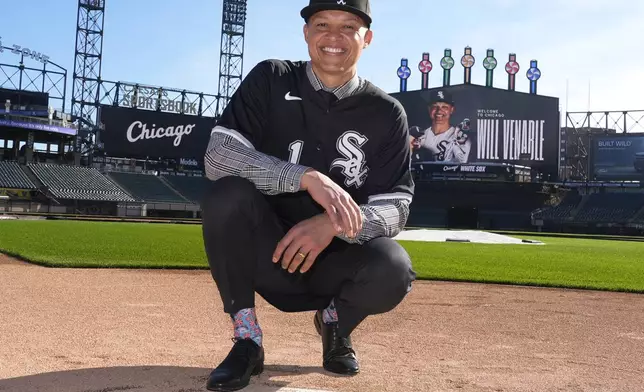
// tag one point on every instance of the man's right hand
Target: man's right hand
(414, 143)
(343, 211)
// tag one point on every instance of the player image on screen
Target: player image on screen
(443, 141)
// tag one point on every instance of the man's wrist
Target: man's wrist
(328, 224)
(306, 178)
(356, 239)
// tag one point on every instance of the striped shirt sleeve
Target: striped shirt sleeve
(242, 126)
(382, 216)
(229, 153)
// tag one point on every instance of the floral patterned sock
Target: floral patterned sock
(330, 315)
(246, 326)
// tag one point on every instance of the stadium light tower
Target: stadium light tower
(233, 26)
(88, 55)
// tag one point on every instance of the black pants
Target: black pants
(241, 228)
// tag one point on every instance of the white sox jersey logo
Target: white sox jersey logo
(353, 164)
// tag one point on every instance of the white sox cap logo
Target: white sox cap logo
(441, 95)
(342, 2)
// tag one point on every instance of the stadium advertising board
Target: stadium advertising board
(155, 98)
(470, 124)
(618, 157)
(133, 133)
(35, 126)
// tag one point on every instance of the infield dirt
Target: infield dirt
(91, 330)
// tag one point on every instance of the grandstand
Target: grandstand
(609, 207)
(77, 183)
(600, 207)
(63, 188)
(562, 210)
(639, 218)
(596, 210)
(146, 188)
(39, 174)
(132, 190)
(190, 187)
(475, 205)
(57, 188)
(12, 176)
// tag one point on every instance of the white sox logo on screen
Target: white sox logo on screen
(353, 164)
(442, 148)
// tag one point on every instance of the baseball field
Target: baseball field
(587, 263)
(133, 308)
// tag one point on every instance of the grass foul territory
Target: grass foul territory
(561, 262)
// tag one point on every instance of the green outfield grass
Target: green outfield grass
(561, 262)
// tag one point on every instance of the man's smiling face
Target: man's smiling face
(336, 39)
(440, 112)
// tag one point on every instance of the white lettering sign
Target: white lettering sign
(473, 169)
(450, 168)
(19, 50)
(519, 137)
(615, 143)
(139, 131)
(188, 162)
(165, 105)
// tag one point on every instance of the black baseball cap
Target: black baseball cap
(415, 131)
(440, 96)
(356, 7)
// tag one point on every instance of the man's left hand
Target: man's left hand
(304, 242)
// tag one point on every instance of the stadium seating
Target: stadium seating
(610, 207)
(190, 187)
(12, 176)
(78, 183)
(146, 187)
(562, 210)
(465, 204)
(639, 218)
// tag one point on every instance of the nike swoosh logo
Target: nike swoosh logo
(289, 97)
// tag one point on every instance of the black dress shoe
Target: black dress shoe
(338, 355)
(245, 358)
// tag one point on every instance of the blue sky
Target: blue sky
(176, 44)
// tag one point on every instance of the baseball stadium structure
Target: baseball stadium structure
(135, 151)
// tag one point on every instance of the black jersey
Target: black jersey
(361, 141)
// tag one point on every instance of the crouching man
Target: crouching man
(310, 166)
